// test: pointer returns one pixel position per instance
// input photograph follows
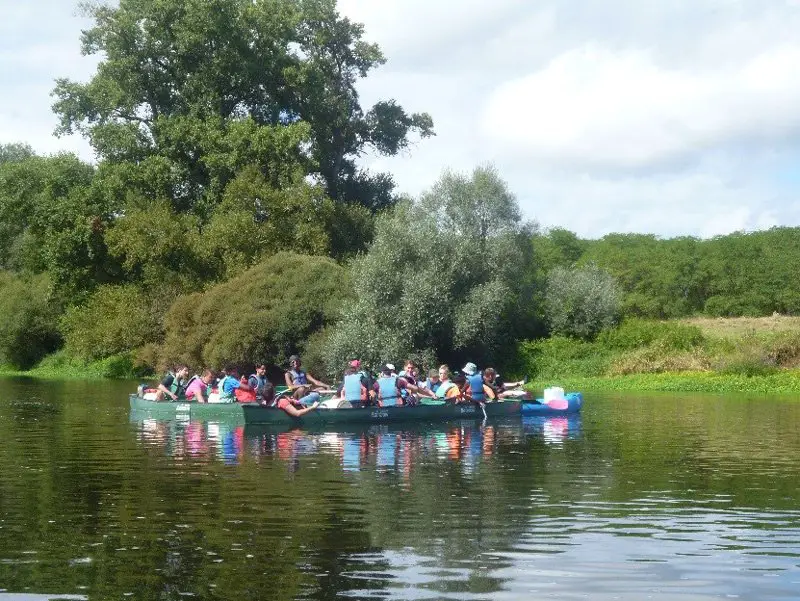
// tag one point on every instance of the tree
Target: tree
(581, 302)
(181, 80)
(29, 328)
(52, 220)
(264, 314)
(442, 278)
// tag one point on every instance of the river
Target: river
(657, 497)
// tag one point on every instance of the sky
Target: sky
(672, 118)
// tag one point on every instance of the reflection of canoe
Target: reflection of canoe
(188, 410)
(256, 414)
(574, 404)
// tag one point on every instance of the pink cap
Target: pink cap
(355, 363)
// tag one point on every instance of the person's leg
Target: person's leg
(309, 399)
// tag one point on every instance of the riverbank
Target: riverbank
(783, 382)
(760, 355)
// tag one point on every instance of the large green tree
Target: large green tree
(214, 85)
(443, 278)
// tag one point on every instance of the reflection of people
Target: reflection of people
(173, 384)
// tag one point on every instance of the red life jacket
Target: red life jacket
(245, 396)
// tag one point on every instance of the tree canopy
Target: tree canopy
(442, 278)
(212, 86)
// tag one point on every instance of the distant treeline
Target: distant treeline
(740, 274)
(227, 220)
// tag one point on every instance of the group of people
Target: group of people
(359, 388)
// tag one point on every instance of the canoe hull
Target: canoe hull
(188, 410)
(256, 414)
(574, 404)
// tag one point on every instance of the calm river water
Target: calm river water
(656, 497)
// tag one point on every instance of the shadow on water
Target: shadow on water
(659, 497)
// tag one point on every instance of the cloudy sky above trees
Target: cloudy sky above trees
(673, 118)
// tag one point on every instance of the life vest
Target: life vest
(261, 385)
(441, 392)
(224, 395)
(353, 391)
(177, 387)
(387, 390)
(476, 385)
(245, 396)
(298, 377)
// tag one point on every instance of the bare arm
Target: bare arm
(316, 382)
(288, 379)
(295, 412)
(167, 392)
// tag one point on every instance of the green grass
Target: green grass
(784, 381)
(59, 366)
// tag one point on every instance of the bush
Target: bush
(114, 320)
(659, 357)
(581, 302)
(562, 357)
(636, 333)
(265, 314)
(29, 324)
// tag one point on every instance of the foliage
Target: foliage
(635, 333)
(177, 80)
(50, 220)
(264, 314)
(29, 328)
(559, 357)
(114, 320)
(581, 301)
(441, 278)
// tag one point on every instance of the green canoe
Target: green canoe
(189, 410)
(256, 414)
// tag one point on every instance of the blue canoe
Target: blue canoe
(574, 404)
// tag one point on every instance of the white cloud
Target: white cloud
(592, 106)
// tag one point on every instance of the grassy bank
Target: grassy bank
(59, 366)
(759, 355)
(783, 382)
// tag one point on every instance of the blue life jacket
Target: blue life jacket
(259, 384)
(476, 385)
(298, 377)
(227, 396)
(352, 388)
(387, 386)
(441, 392)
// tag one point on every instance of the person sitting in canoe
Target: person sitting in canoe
(410, 374)
(353, 389)
(197, 390)
(389, 387)
(432, 383)
(230, 384)
(265, 391)
(292, 405)
(296, 377)
(476, 388)
(366, 380)
(496, 389)
(174, 384)
(445, 384)
(458, 391)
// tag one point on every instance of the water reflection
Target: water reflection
(376, 448)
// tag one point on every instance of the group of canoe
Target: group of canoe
(389, 396)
